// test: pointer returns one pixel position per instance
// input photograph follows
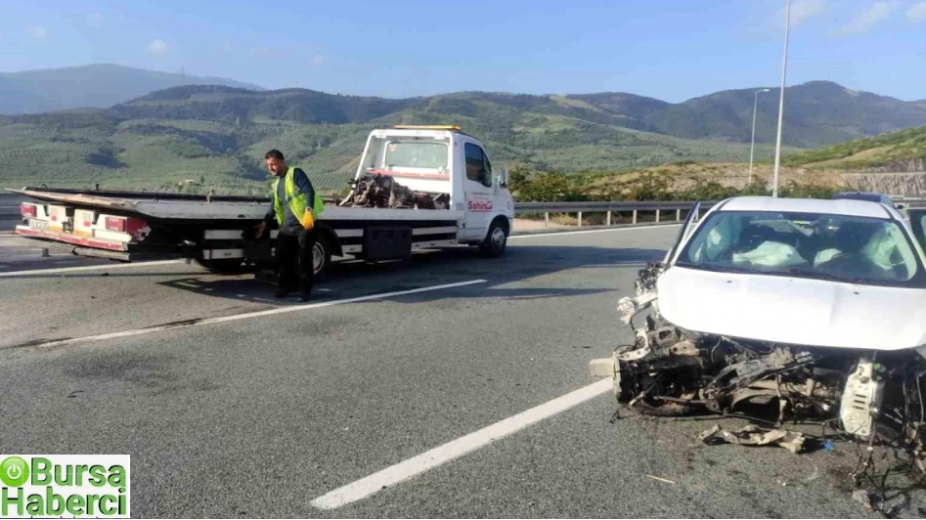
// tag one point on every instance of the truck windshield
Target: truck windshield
(828, 247)
(407, 154)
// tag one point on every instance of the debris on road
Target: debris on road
(660, 479)
(861, 496)
(752, 435)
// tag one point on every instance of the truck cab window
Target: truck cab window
(478, 168)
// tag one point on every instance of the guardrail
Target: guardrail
(676, 210)
(620, 209)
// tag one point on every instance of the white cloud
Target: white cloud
(917, 13)
(869, 18)
(95, 19)
(37, 31)
(158, 47)
(806, 10)
(317, 60)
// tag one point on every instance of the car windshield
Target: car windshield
(407, 154)
(829, 247)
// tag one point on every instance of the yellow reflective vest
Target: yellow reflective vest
(295, 197)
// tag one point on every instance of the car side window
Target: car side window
(478, 168)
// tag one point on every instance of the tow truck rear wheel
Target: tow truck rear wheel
(495, 241)
(321, 254)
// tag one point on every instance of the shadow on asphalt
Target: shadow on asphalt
(349, 278)
(354, 278)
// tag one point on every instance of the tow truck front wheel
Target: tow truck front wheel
(496, 240)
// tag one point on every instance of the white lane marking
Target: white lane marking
(258, 314)
(88, 268)
(457, 448)
(609, 230)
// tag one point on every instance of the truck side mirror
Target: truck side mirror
(502, 178)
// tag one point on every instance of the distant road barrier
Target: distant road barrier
(665, 211)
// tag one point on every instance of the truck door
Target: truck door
(478, 189)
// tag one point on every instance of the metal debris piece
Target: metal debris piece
(660, 479)
(861, 496)
(752, 435)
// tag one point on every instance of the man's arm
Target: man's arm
(271, 214)
(305, 185)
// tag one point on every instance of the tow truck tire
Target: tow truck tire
(321, 254)
(221, 266)
(496, 239)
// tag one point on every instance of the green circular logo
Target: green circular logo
(14, 471)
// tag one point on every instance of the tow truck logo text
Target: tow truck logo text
(479, 205)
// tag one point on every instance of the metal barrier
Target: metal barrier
(674, 209)
(610, 208)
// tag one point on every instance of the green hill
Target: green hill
(216, 136)
(810, 173)
(817, 113)
(898, 151)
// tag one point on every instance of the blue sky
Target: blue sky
(668, 49)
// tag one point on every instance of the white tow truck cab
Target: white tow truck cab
(441, 161)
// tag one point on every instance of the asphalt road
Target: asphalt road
(259, 415)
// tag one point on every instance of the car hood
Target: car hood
(793, 310)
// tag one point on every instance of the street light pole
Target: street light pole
(781, 103)
(752, 149)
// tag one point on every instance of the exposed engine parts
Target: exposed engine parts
(872, 397)
(382, 191)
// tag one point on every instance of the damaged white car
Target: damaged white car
(819, 305)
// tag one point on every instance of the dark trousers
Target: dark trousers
(294, 257)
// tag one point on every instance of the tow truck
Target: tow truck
(216, 231)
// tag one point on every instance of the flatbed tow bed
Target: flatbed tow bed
(217, 230)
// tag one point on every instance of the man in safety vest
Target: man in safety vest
(295, 207)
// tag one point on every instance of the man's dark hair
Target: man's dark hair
(274, 154)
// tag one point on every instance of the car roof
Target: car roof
(855, 207)
(864, 195)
